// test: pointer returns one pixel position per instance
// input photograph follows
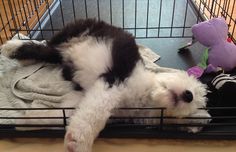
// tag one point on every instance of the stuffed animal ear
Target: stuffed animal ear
(221, 26)
(210, 32)
(204, 33)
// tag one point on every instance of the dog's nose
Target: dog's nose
(187, 96)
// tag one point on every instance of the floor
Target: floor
(121, 145)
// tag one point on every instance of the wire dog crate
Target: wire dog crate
(154, 23)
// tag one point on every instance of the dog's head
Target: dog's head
(180, 93)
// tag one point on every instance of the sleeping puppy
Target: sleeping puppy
(104, 63)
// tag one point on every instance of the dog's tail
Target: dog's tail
(33, 50)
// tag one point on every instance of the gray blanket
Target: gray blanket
(35, 86)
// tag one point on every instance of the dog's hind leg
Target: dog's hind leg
(24, 50)
(91, 117)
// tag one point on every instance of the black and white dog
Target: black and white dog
(104, 63)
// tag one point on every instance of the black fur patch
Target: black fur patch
(68, 71)
(32, 51)
(74, 29)
(125, 52)
(77, 87)
(124, 57)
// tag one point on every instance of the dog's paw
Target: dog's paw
(77, 140)
(70, 142)
(9, 49)
(206, 118)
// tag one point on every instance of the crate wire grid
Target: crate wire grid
(20, 14)
(28, 16)
(121, 7)
(141, 28)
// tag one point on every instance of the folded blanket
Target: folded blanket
(40, 83)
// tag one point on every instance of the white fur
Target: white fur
(86, 123)
(91, 58)
(143, 88)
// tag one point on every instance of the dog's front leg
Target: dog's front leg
(91, 116)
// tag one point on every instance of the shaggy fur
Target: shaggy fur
(105, 63)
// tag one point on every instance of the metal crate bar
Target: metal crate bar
(122, 127)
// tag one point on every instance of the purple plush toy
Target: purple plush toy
(213, 34)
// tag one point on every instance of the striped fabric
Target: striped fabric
(221, 79)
